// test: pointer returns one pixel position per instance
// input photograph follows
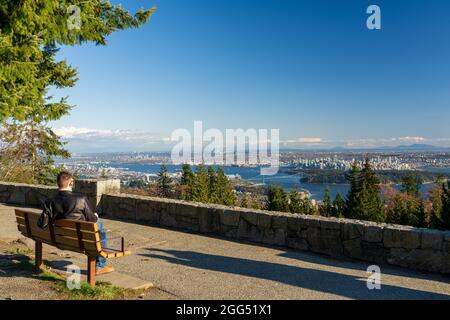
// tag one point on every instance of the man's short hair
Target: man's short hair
(63, 179)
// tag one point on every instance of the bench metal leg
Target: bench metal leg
(91, 271)
(38, 254)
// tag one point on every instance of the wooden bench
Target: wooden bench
(76, 236)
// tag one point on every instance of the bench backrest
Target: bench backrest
(77, 236)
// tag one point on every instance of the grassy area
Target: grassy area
(102, 291)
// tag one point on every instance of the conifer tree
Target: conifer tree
(411, 185)
(30, 33)
(224, 190)
(187, 182)
(326, 207)
(200, 189)
(277, 199)
(29, 25)
(213, 186)
(364, 200)
(353, 198)
(445, 210)
(164, 181)
(422, 216)
(338, 206)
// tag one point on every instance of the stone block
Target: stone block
(209, 220)
(187, 210)
(126, 208)
(445, 269)
(332, 224)
(229, 231)
(373, 252)
(352, 248)
(18, 195)
(167, 219)
(294, 223)
(187, 223)
(264, 220)
(250, 217)
(432, 239)
(405, 238)
(325, 241)
(279, 222)
(297, 243)
(373, 233)
(229, 218)
(312, 221)
(446, 247)
(447, 236)
(350, 230)
(420, 259)
(248, 231)
(275, 237)
(108, 186)
(148, 211)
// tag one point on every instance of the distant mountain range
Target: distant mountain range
(410, 147)
(414, 147)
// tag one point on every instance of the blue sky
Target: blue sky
(309, 68)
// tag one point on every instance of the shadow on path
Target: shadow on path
(318, 280)
(362, 266)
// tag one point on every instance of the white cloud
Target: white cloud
(410, 139)
(88, 139)
(303, 141)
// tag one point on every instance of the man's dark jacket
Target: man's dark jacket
(66, 205)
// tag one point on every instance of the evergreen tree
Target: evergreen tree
(164, 182)
(213, 186)
(277, 199)
(224, 190)
(422, 216)
(299, 204)
(30, 32)
(435, 196)
(364, 200)
(338, 206)
(29, 144)
(27, 26)
(411, 185)
(186, 183)
(445, 210)
(200, 189)
(326, 207)
(187, 176)
(353, 200)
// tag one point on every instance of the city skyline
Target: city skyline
(309, 68)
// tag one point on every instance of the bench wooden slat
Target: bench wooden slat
(110, 253)
(72, 233)
(84, 226)
(35, 233)
(66, 247)
(73, 242)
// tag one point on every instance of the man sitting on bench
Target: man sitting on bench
(73, 206)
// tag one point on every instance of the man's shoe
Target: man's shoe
(104, 270)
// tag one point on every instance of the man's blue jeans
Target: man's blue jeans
(100, 262)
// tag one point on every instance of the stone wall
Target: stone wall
(34, 195)
(25, 194)
(421, 249)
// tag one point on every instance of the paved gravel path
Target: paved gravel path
(191, 266)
